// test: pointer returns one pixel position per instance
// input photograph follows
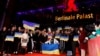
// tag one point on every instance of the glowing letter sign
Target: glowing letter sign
(71, 6)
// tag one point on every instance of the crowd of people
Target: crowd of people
(31, 41)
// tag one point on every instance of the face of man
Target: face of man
(68, 31)
(4, 28)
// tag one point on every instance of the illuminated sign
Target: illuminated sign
(71, 6)
(73, 17)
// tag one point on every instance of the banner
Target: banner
(50, 49)
(64, 38)
(94, 46)
(57, 36)
(9, 38)
(18, 34)
(76, 38)
(30, 25)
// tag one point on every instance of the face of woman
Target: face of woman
(81, 28)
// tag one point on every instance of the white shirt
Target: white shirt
(24, 39)
(25, 36)
(49, 42)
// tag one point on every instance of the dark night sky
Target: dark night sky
(45, 17)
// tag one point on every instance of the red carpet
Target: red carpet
(39, 54)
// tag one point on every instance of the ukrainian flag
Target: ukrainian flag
(76, 38)
(64, 38)
(18, 34)
(50, 49)
(37, 25)
(30, 25)
(9, 38)
(57, 36)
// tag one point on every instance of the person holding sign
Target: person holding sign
(9, 40)
(75, 43)
(69, 42)
(51, 40)
(57, 35)
(17, 35)
(8, 44)
(24, 41)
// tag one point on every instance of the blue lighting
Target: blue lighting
(31, 11)
(50, 8)
(61, 6)
(19, 13)
(39, 10)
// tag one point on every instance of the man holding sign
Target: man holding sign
(8, 43)
(9, 40)
(17, 40)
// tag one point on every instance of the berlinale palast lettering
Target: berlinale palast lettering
(73, 17)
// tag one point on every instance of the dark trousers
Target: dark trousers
(62, 46)
(37, 46)
(75, 45)
(29, 46)
(1, 45)
(16, 44)
(8, 47)
(22, 49)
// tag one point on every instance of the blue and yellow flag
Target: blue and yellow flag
(9, 38)
(76, 38)
(18, 34)
(64, 38)
(57, 36)
(30, 25)
(50, 49)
